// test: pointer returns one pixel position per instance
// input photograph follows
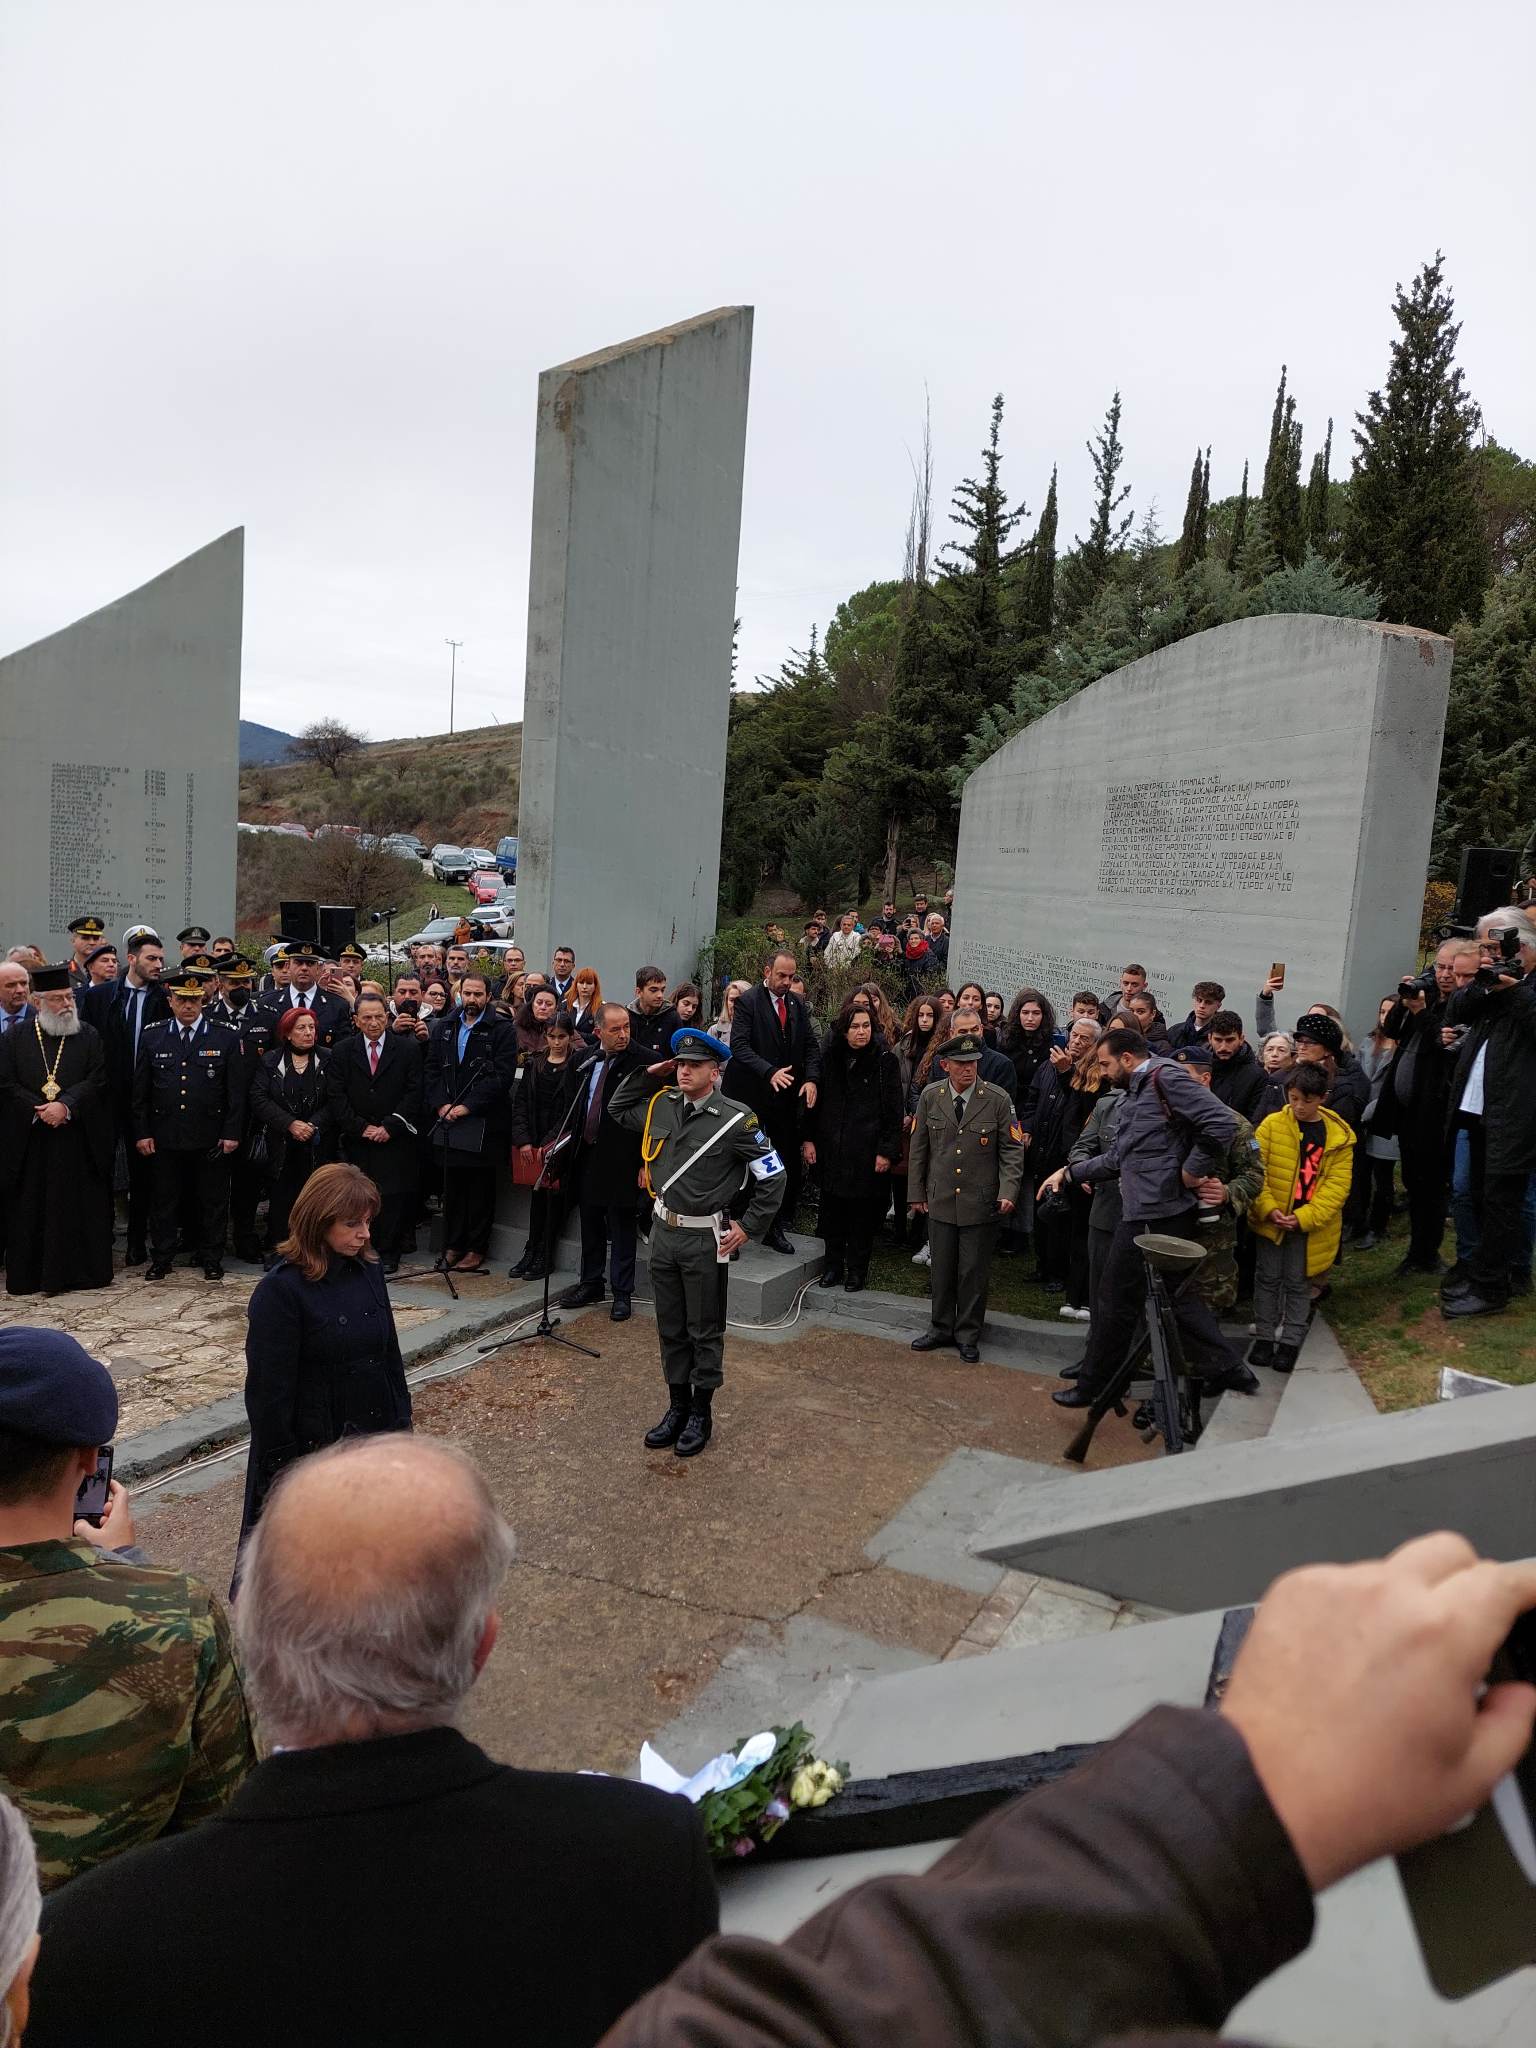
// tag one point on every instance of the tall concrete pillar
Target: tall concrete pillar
(119, 760)
(631, 609)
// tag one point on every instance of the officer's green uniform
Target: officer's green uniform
(1242, 1172)
(688, 1280)
(962, 1164)
(121, 1713)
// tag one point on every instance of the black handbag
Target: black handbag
(462, 1134)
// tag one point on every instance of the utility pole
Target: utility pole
(453, 676)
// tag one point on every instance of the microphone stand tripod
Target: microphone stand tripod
(547, 1324)
(439, 1266)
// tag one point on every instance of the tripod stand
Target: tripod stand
(1173, 1408)
(440, 1266)
(547, 1324)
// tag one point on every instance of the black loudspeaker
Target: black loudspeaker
(300, 921)
(1488, 877)
(338, 927)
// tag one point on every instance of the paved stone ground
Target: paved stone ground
(637, 1574)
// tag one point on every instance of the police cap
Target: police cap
(187, 981)
(695, 1046)
(1195, 1056)
(52, 1389)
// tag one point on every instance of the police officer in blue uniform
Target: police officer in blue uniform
(188, 1115)
(256, 1028)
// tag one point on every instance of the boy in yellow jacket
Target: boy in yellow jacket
(1297, 1216)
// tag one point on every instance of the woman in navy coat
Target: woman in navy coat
(322, 1359)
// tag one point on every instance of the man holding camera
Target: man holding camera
(1493, 1107)
(1412, 1103)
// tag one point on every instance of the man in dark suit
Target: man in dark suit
(532, 1905)
(374, 1085)
(15, 993)
(120, 1010)
(471, 1065)
(607, 1169)
(775, 1065)
(333, 1019)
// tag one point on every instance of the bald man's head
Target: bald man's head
(366, 1600)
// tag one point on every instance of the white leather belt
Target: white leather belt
(677, 1222)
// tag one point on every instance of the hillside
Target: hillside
(260, 743)
(462, 787)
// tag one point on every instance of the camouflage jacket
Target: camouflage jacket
(121, 1711)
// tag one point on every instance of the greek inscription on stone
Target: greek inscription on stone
(1199, 834)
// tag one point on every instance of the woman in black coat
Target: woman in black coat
(1061, 1099)
(1027, 1040)
(288, 1101)
(855, 1139)
(322, 1360)
(541, 1103)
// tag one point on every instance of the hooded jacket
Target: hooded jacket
(1321, 1219)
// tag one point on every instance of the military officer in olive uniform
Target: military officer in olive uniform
(964, 1168)
(86, 934)
(188, 1114)
(700, 1150)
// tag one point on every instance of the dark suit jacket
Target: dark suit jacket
(105, 1006)
(358, 1097)
(484, 1082)
(759, 1047)
(606, 1173)
(333, 1019)
(404, 1891)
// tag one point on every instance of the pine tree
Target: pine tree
(1318, 523)
(1488, 768)
(1239, 525)
(1197, 516)
(972, 584)
(1037, 600)
(1415, 528)
(1090, 565)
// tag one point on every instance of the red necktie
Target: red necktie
(373, 1055)
(783, 1009)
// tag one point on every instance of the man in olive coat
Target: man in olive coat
(964, 1168)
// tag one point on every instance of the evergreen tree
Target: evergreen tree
(1416, 529)
(973, 576)
(1037, 597)
(1488, 767)
(1318, 523)
(1239, 525)
(1279, 435)
(1197, 516)
(1088, 571)
(1284, 519)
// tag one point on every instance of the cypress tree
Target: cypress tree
(973, 578)
(1239, 524)
(1279, 422)
(1189, 550)
(1037, 602)
(1415, 530)
(1317, 523)
(1090, 565)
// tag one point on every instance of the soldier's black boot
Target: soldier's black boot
(699, 1426)
(671, 1425)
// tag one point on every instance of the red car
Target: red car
(484, 884)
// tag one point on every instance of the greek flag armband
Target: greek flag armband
(765, 1165)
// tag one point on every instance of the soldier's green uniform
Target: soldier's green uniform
(962, 1165)
(121, 1712)
(1242, 1173)
(688, 1279)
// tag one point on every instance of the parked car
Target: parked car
(485, 884)
(452, 863)
(297, 831)
(487, 925)
(506, 857)
(480, 856)
(407, 843)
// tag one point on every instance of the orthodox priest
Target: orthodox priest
(55, 1147)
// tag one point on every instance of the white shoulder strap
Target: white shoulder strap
(714, 1138)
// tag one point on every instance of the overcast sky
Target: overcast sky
(297, 267)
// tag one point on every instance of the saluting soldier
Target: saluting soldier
(964, 1169)
(188, 1114)
(700, 1150)
(87, 933)
(256, 1028)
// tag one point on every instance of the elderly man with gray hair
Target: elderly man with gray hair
(379, 1878)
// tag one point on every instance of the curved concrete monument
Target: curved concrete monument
(119, 763)
(1262, 792)
(631, 605)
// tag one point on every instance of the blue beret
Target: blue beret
(692, 1044)
(52, 1389)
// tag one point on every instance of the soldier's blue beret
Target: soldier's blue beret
(52, 1389)
(689, 1044)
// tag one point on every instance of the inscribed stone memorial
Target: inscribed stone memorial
(118, 760)
(1262, 792)
(631, 610)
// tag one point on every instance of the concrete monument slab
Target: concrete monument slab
(119, 770)
(631, 605)
(1262, 792)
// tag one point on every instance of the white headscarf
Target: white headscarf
(21, 1903)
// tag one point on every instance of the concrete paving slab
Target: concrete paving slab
(932, 1535)
(1324, 1389)
(1214, 1529)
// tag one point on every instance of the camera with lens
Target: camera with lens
(1507, 939)
(1418, 985)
